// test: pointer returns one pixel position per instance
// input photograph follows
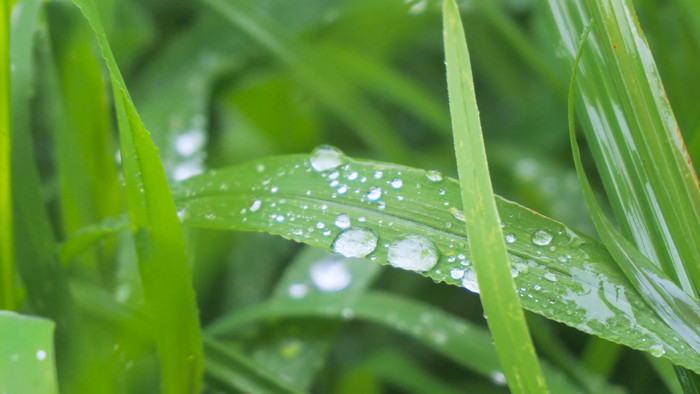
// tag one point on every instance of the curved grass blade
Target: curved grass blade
(7, 263)
(492, 269)
(560, 274)
(678, 309)
(463, 342)
(226, 367)
(26, 355)
(165, 275)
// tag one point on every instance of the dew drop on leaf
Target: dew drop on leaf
(189, 142)
(396, 183)
(550, 277)
(374, 194)
(456, 273)
(541, 238)
(256, 205)
(657, 351)
(510, 238)
(342, 221)
(469, 281)
(413, 253)
(433, 175)
(498, 378)
(326, 157)
(355, 242)
(298, 290)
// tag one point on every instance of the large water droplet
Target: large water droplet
(255, 206)
(374, 194)
(469, 281)
(190, 142)
(326, 157)
(541, 238)
(498, 378)
(433, 175)
(396, 183)
(510, 238)
(355, 242)
(414, 253)
(330, 275)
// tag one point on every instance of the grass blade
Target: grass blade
(26, 355)
(165, 276)
(562, 275)
(505, 318)
(7, 263)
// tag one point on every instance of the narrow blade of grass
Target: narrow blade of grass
(505, 318)
(7, 263)
(27, 354)
(165, 276)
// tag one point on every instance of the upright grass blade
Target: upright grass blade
(26, 354)
(7, 264)
(165, 277)
(680, 310)
(505, 318)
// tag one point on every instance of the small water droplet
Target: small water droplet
(352, 176)
(498, 378)
(510, 238)
(256, 205)
(657, 350)
(355, 242)
(456, 273)
(469, 281)
(40, 355)
(187, 170)
(541, 238)
(550, 277)
(459, 215)
(342, 221)
(374, 194)
(326, 157)
(378, 174)
(433, 175)
(414, 253)
(396, 183)
(342, 189)
(274, 189)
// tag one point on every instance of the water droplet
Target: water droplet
(298, 290)
(456, 273)
(514, 272)
(342, 189)
(274, 189)
(326, 157)
(396, 183)
(418, 7)
(541, 238)
(256, 205)
(433, 175)
(378, 174)
(374, 194)
(330, 275)
(414, 253)
(657, 350)
(260, 168)
(40, 355)
(342, 221)
(510, 238)
(190, 142)
(352, 176)
(498, 378)
(550, 277)
(355, 242)
(334, 175)
(459, 215)
(469, 281)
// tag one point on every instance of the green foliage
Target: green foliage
(173, 263)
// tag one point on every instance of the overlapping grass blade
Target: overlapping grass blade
(7, 263)
(27, 355)
(492, 269)
(165, 276)
(629, 123)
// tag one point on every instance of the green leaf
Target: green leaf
(165, 276)
(26, 355)
(492, 269)
(7, 264)
(561, 274)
